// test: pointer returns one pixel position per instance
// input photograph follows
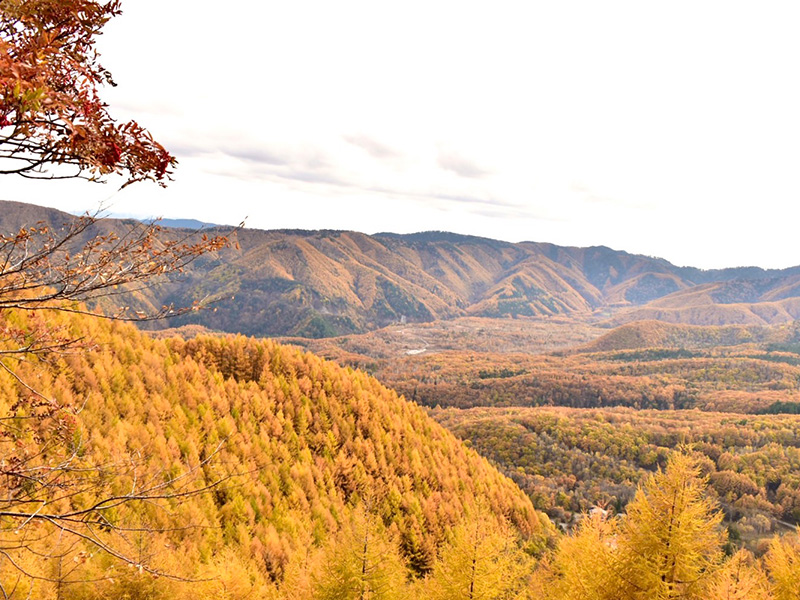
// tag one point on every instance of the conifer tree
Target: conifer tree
(740, 578)
(783, 562)
(668, 546)
(361, 563)
(670, 541)
(483, 561)
(584, 565)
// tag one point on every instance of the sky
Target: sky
(669, 129)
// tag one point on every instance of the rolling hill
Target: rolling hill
(641, 335)
(139, 466)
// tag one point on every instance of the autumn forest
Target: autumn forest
(232, 413)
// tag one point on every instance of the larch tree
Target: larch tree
(783, 564)
(667, 546)
(482, 561)
(584, 566)
(741, 578)
(670, 541)
(360, 563)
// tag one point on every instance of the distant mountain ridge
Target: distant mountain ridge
(327, 283)
(185, 223)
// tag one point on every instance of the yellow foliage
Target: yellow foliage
(783, 563)
(481, 561)
(671, 538)
(288, 443)
(584, 567)
(740, 578)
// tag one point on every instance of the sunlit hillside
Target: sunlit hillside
(270, 453)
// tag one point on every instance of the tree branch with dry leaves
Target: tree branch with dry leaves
(53, 124)
(46, 270)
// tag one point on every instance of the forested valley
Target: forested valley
(533, 457)
(433, 415)
(236, 468)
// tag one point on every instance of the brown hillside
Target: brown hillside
(763, 313)
(658, 334)
(327, 283)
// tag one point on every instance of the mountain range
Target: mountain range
(328, 283)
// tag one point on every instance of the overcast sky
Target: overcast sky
(662, 128)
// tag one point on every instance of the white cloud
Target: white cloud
(371, 146)
(668, 129)
(451, 160)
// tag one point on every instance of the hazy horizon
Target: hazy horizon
(141, 217)
(663, 130)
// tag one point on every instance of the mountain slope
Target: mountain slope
(328, 283)
(299, 444)
(694, 307)
(641, 335)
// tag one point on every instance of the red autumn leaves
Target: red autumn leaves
(52, 121)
